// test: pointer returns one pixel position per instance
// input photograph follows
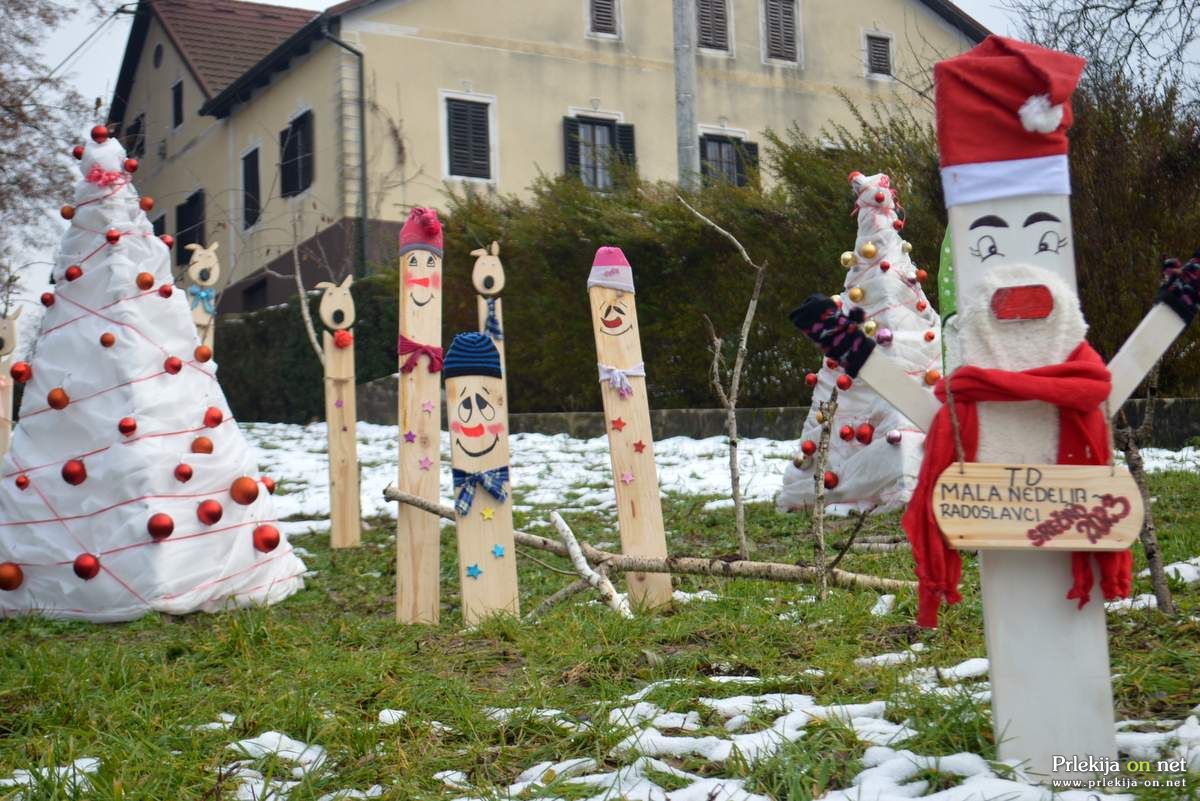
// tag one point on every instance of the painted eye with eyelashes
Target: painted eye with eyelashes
(1051, 242)
(985, 248)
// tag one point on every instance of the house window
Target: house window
(177, 104)
(603, 16)
(591, 146)
(723, 158)
(879, 55)
(135, 137)
(712, 24)
(250, 189)
(296, 156)
(780, 20)
(255, 295)
(159, 224)
(158, 53)
(189, 225)
(468, 139)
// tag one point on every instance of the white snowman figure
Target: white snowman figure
(1030, 391)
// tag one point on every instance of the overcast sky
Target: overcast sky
(94, 69)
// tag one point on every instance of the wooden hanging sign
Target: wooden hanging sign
(341, 414)
(1049, 507)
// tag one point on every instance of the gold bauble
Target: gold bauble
(869, 327)
(868, 250)
(906, 247)
(848, 259)
(820, 418)
(856, 294)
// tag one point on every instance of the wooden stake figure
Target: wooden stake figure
(627, 415)
(477, 406)
(203, 271)
(8, 343)
(418, 550)
(488, 278)
(1031, 392)
(337, 313)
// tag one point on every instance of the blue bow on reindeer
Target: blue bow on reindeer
(203, 295)
(492, 481)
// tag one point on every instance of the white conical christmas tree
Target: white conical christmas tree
(129, 487)
(874, 451)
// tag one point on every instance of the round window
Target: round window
(158, 55)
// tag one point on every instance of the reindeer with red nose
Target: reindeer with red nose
(1030, 391)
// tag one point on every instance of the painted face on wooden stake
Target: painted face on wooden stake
(8, 332)
(488, 274)
(478, 422)
(203, 269)
(615, 312)
(422, 277)
(337, 304)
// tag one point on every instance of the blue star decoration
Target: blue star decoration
(498, 551)
(473, 571)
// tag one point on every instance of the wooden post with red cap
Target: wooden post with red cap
(337, 313)
(627, 419)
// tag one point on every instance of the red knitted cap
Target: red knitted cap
(422, 231)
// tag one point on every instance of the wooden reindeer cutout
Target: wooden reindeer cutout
(8, 343)
(477, 407)
(203, 272)
(337, 313)
(418, 549)
(488, 278)
(627, 415)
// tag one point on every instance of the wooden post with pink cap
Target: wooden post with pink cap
(418, 547)
(341, 414)
(627, 419)
(477, 407)
(8, 343)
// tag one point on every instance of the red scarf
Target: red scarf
(1078, 387)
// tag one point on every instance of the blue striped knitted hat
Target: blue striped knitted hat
(472, 353)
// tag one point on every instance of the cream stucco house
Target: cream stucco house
(255, 126)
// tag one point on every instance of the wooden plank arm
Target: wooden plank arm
(898, 388)
(1145, 346)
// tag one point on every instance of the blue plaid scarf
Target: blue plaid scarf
(491, 326)
(491, 480)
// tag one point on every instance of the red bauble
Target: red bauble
(183, 473)
(108, 339)
(898, 225)
(165, 290)
(47, 299)
(99, 134)
(22, 482)
(202, 445)
(73, 472)
(922, 305)
(168, 240)
(831, 364)
(808, 447)
(11, 576)
(77, 152)
(269, 483)
(885, 265)
(21, 372)
(73, 272)
(213, 417)
(811, 379)
(879, 197)
(831, 479)
(146, 203)
(846, 433)
(266, 538)
(131, 165)
(932, 377)
(209, 512)
(113, 236)
(929, 336)
(127, 425)
(173, 364)
(67, 212)
(144, 281)
(86, 566)
(865, 433)
(922, 275)
(244, 490)
(202, 353)
(844, 382)
(160, 526)
(342, 339)
(58, 398)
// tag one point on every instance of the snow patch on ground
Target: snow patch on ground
(70, 780)
(1188, 572)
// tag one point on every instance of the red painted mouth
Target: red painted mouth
(472, 431)
(616, 322)
(1032, 302)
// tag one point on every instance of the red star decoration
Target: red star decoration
(639, 446)
(618, 424)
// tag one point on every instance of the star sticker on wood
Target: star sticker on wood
(427, 407)
(627, 477)
(425, 463)
(474, 571)
(410, 436)
(618, 424)
(498, 551)
(488, 513)
(639, 446)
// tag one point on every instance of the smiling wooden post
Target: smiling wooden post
(627, 418)
(8, 343)
(337, 313)
(203, 271)
(488, 278)
(477, 407)
(418, 550)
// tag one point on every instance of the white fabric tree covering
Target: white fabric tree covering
(47, 523)
(878, 472)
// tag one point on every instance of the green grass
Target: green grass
(320, 666)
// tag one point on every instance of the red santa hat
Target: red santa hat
(1003, 110)
(422, 231)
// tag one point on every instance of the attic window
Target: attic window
(879, 56)
(157, 56)
(603, 15)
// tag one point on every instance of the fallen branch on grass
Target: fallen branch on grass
(599, 582)
(682, 565)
